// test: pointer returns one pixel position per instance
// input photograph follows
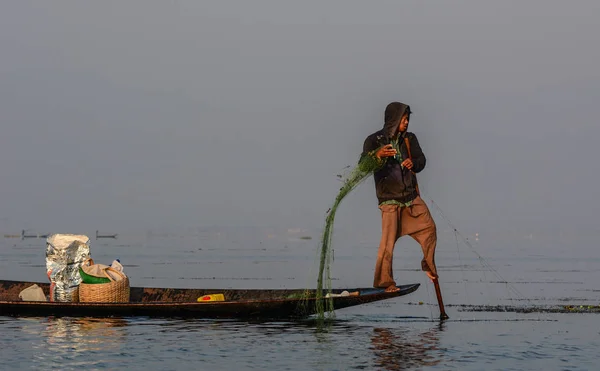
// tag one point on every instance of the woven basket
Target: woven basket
(112, 292)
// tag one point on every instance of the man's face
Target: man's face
(403, 123)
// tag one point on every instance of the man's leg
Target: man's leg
(418, 223)
(384, 276)
(420, 226)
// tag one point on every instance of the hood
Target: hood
(393, 114)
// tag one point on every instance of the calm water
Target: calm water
(397, 334)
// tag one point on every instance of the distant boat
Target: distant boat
(105, 235)
(24, 236)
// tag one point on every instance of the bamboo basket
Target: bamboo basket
(112, 292)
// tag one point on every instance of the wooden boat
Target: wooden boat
(106, 235)
(170, 302)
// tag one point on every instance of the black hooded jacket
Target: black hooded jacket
(392, 181)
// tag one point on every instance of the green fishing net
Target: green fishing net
(367, 164)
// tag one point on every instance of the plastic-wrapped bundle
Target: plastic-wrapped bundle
(64, 255)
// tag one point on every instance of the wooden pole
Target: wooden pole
(436, 283)
(438, 293)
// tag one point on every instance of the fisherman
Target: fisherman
(397, 157)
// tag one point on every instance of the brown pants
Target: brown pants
(396, 221)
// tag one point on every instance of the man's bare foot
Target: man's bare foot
(392, 288)
(431, 276)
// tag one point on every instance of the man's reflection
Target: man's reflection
(404, 348)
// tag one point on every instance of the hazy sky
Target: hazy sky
(138, 114)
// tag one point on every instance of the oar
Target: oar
(438, 293)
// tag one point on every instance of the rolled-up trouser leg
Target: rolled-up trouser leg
(384, 276)
(416, 221)
(427, 238)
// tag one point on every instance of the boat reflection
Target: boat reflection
(406, 348)
(85, 334)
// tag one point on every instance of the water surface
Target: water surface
(397, 334)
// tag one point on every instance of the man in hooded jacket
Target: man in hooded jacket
(398, 157)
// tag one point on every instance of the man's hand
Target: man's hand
(407, 164)
(385, 151)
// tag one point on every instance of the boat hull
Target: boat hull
(167, 302)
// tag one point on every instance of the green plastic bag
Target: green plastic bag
(93, 273)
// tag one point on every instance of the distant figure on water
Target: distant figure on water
(398, 158)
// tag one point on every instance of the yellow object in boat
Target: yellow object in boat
(213, 297)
